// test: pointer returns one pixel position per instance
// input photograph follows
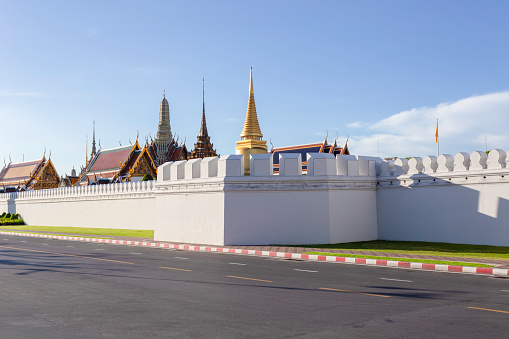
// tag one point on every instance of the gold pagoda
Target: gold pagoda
(251, 137)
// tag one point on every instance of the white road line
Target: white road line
(296, 269)
(179, 258)
(23, 241)
(134, 253)
(69, 246)
(99, 249)
(6, 239)
(504, 290)
(236, 263)
(45, 244)
(396, 280)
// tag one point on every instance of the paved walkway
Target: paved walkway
(504, 264)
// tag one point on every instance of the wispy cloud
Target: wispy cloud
(356, 124)
(463, 126)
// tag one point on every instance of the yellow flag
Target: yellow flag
(436, 133)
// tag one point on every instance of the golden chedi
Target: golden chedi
(251, 137)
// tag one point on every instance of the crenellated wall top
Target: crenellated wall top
(446, 169)
(290, 165)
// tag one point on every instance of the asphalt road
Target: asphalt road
(66, 289)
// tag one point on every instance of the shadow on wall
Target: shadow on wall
(469, 204)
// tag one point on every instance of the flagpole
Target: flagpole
(437, 140)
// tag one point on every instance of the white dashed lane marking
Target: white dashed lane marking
(180, 258)
(45, 244)
(396, 280)
(99, 249)
(134, 253)
(504, 290)
(23, 241)
(69, 246)
(296, 269)
(236, 263)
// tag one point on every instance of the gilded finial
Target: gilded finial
(271, 146)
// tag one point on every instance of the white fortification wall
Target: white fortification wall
(210, 201)
(460, 199)
(125, 205)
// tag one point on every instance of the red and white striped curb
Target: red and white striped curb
(359, 261)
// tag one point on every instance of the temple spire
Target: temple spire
(93, 143)
(251, 126)
(203, 129)
(164, 128)
(251, 137)
(203, 147)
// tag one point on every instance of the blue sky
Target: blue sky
(378, 71)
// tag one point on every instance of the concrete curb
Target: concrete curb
(350, 260)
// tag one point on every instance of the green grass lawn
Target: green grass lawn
(85, 230)
(426, 261)
(424, 248)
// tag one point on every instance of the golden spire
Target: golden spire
(251, 126)
(251, 137)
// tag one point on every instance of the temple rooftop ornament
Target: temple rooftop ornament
(251, 137)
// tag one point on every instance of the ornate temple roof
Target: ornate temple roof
(109, 159)
(20, 173)
(119, 164)
(27, 175)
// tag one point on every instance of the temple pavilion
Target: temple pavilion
(29, 175)
(125, 163)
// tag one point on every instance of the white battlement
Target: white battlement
(290, 164)
(444, 169)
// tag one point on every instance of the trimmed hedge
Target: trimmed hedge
(11, 219)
